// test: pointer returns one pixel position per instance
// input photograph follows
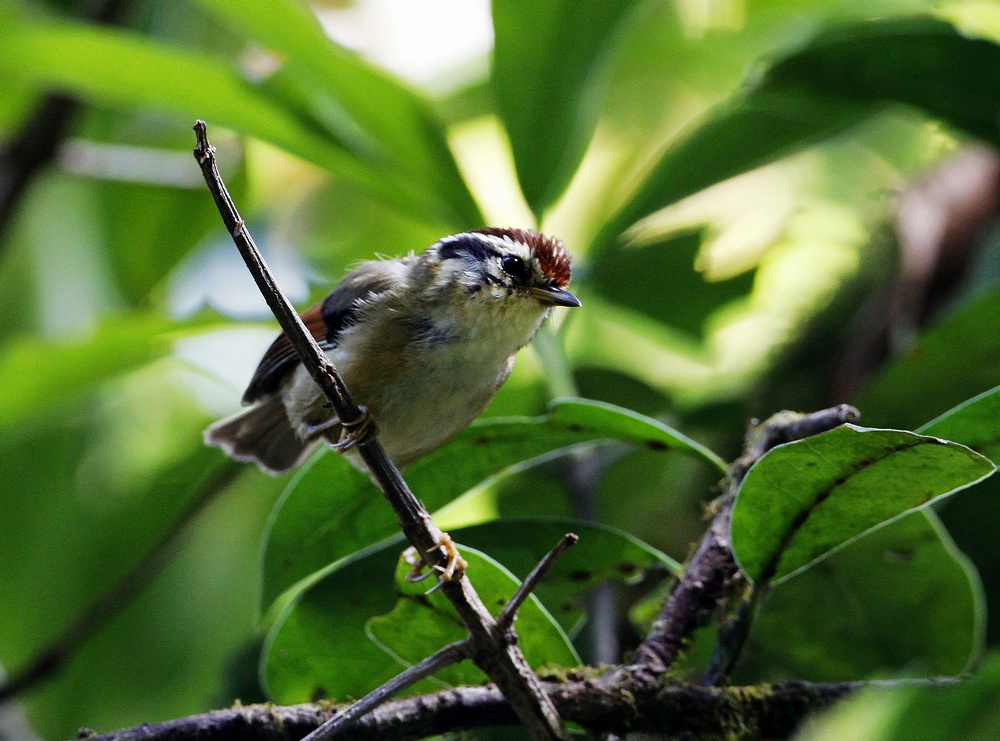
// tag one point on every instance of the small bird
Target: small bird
(423, 342)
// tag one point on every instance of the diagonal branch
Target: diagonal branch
(508, 614)
(712, 568)
(493, 649)
(450, 654)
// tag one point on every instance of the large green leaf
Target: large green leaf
(421, 623)
(397, 124)
(602, 554)
(918, 61)
(804, 499)
(358, 626)
(974, 423)
(550, 63)
(902, 599)
(88, 61)
(96, 484)
(331, 510)
(830, 84)
(951, 362)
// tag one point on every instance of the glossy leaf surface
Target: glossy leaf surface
(331, 510)
(804, 499)
(353, 629)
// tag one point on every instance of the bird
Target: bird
(422, 342)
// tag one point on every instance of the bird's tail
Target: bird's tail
(261, 434)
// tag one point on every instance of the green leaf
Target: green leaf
(805, 499)
(422, 623)
(905, 589)
(292, 662)
(36, 375)
(395, 120)
(820, 90)
(959, 711)
(952, 361)
(358, 626)
(603, 553)
(331, 510)
(632, 277)
(550, 64)
(96, 485)
(974, 423)
(918, 61)
(747, 132)
(87, 61)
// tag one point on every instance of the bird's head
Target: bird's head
(506, 263)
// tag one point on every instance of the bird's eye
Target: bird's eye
(516, 268)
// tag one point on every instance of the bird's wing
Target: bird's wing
(325, 322)
(281, 358)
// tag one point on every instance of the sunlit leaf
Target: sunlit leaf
(749, 131)
(804, 499)
(550, 62)
(633, 277)
(820, 90)
(331, 510)
(394, 120)
(88, 61)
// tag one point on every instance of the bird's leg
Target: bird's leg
(454, 566)
(311, 432)
(351, 434)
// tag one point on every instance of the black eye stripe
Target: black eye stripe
(467, 245)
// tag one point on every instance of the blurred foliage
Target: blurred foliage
(726, 175)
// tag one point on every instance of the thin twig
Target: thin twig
(95, 616)
(509, 612)
(712, 568)
(450, 654)
(500, 659)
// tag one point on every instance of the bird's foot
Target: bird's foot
(453, 567)
(357, 432)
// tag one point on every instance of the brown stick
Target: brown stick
(493, 650)
(765, 711)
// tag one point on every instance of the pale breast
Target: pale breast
(422, 381)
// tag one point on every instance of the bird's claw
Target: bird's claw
(356, 432)
(454, 566)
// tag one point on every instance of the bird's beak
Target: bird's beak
(552, 296)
